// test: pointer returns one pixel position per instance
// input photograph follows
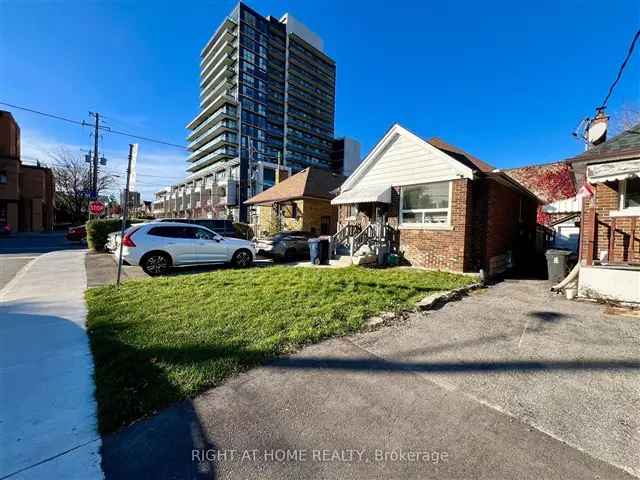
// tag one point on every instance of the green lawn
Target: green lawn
(160, 340)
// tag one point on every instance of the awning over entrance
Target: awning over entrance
(610, 172)
(377, 193)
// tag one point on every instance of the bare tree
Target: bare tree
(73, 184)
(623, 119)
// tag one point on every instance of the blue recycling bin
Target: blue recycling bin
(314, 251)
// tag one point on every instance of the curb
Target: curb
(430, 302)
(437, 300)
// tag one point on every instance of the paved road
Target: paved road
(35, 244)
(508, 383)
(16, 251)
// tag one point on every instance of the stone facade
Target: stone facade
(310, 215)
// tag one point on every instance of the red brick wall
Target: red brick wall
(510, 224)
(605, 200)
(442, 249)
(485, 222)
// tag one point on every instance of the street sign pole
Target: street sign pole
(133, 153)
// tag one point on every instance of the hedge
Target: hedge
(98, 232)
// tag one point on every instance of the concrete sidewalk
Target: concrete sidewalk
(48, 423)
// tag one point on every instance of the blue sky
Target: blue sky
(507, 81)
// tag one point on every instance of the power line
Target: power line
(132, 135)
(50, 115)
(103, 128)
(622, 67)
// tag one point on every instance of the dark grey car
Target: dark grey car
(288, 246)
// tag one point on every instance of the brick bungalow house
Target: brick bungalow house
(446, 209)
(300, 202)
(610, 240)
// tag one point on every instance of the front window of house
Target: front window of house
(630, 194)
(426, 204)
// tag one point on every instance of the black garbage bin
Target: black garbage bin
(557, 266)
(324, 251)
(314, 250)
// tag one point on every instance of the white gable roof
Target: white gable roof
(403, 158)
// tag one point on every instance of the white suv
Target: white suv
(158, 246)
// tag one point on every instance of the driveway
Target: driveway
(510, 382)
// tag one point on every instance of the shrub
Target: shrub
(99, 230)
(244, 230)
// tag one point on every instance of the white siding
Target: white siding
(405, 161)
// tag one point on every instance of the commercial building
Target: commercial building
(26, 191)
(345, 156)
(267, 97)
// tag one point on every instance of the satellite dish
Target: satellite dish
(597, 129)
(597, 133)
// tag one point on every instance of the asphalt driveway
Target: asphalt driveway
(510, 382)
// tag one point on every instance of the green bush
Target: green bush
(244, 230)
(99, 230)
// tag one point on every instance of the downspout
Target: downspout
(573, 276)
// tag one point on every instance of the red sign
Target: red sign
(96, 208)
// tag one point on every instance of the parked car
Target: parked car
(113, 239)
(221, 227)
(5, 228)
(77, 233)
(286, 245)
(157, 246)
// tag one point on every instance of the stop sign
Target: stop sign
(96, 207)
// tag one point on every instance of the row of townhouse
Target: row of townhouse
(210, 194)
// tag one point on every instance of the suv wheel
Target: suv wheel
(242, 259)
(156, 263)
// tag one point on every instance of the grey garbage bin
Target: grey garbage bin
(314, 251)
(557, 264)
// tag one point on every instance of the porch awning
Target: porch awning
(610, 172)
(567, 205)
(377, 193)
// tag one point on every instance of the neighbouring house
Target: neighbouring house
(300, 202)
(610, 244)
(436, 204)
(26, 191)
(559, 213)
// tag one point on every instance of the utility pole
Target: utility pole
(133, 153)
(94, 180)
